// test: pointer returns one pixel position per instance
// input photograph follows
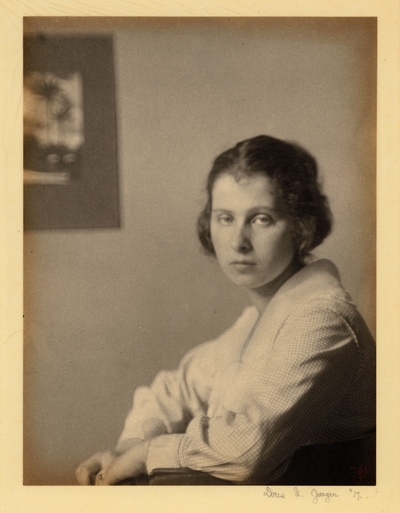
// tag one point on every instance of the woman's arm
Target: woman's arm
(176, 397)
(172, 401)
(91, 471)
(282, 400)
(167, 406)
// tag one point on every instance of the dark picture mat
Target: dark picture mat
(90, 200)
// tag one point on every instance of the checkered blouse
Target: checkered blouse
(239, 406)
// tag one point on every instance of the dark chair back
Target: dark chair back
(345, 463)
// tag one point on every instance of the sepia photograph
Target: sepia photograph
(200, 251)
(199, 256)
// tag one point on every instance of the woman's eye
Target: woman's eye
(225, 219)
(262, 219)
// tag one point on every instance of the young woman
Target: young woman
(295, 371)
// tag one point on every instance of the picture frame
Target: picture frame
(70, 141)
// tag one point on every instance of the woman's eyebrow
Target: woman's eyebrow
(263, 207)
(251, 210)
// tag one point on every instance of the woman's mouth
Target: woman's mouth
(242, 264)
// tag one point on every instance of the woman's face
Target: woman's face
(252, 239)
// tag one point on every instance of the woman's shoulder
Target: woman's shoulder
(338, 308)
(315, 297)
(316, 283)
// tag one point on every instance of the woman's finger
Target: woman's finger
(88, 469)
(83, 474)
(128, 464)
(121, 468)
(99, 478)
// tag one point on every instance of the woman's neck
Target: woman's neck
(261, 296)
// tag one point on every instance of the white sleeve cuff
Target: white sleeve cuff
(163, 452)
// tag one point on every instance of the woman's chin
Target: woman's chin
(247, 281)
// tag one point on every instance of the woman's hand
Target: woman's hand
(86, 472)
(128, 464)
(92, 470)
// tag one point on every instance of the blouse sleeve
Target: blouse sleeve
(176, 397)
(275, 404)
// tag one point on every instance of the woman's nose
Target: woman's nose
(240, 240)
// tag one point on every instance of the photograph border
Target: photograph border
(383, 496)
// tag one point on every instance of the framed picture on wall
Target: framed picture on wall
(70, 140)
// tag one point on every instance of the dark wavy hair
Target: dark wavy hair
(293, 172)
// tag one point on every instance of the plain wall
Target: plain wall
(106, 309)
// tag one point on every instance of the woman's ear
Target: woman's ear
(204, 230)
(305, 230)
